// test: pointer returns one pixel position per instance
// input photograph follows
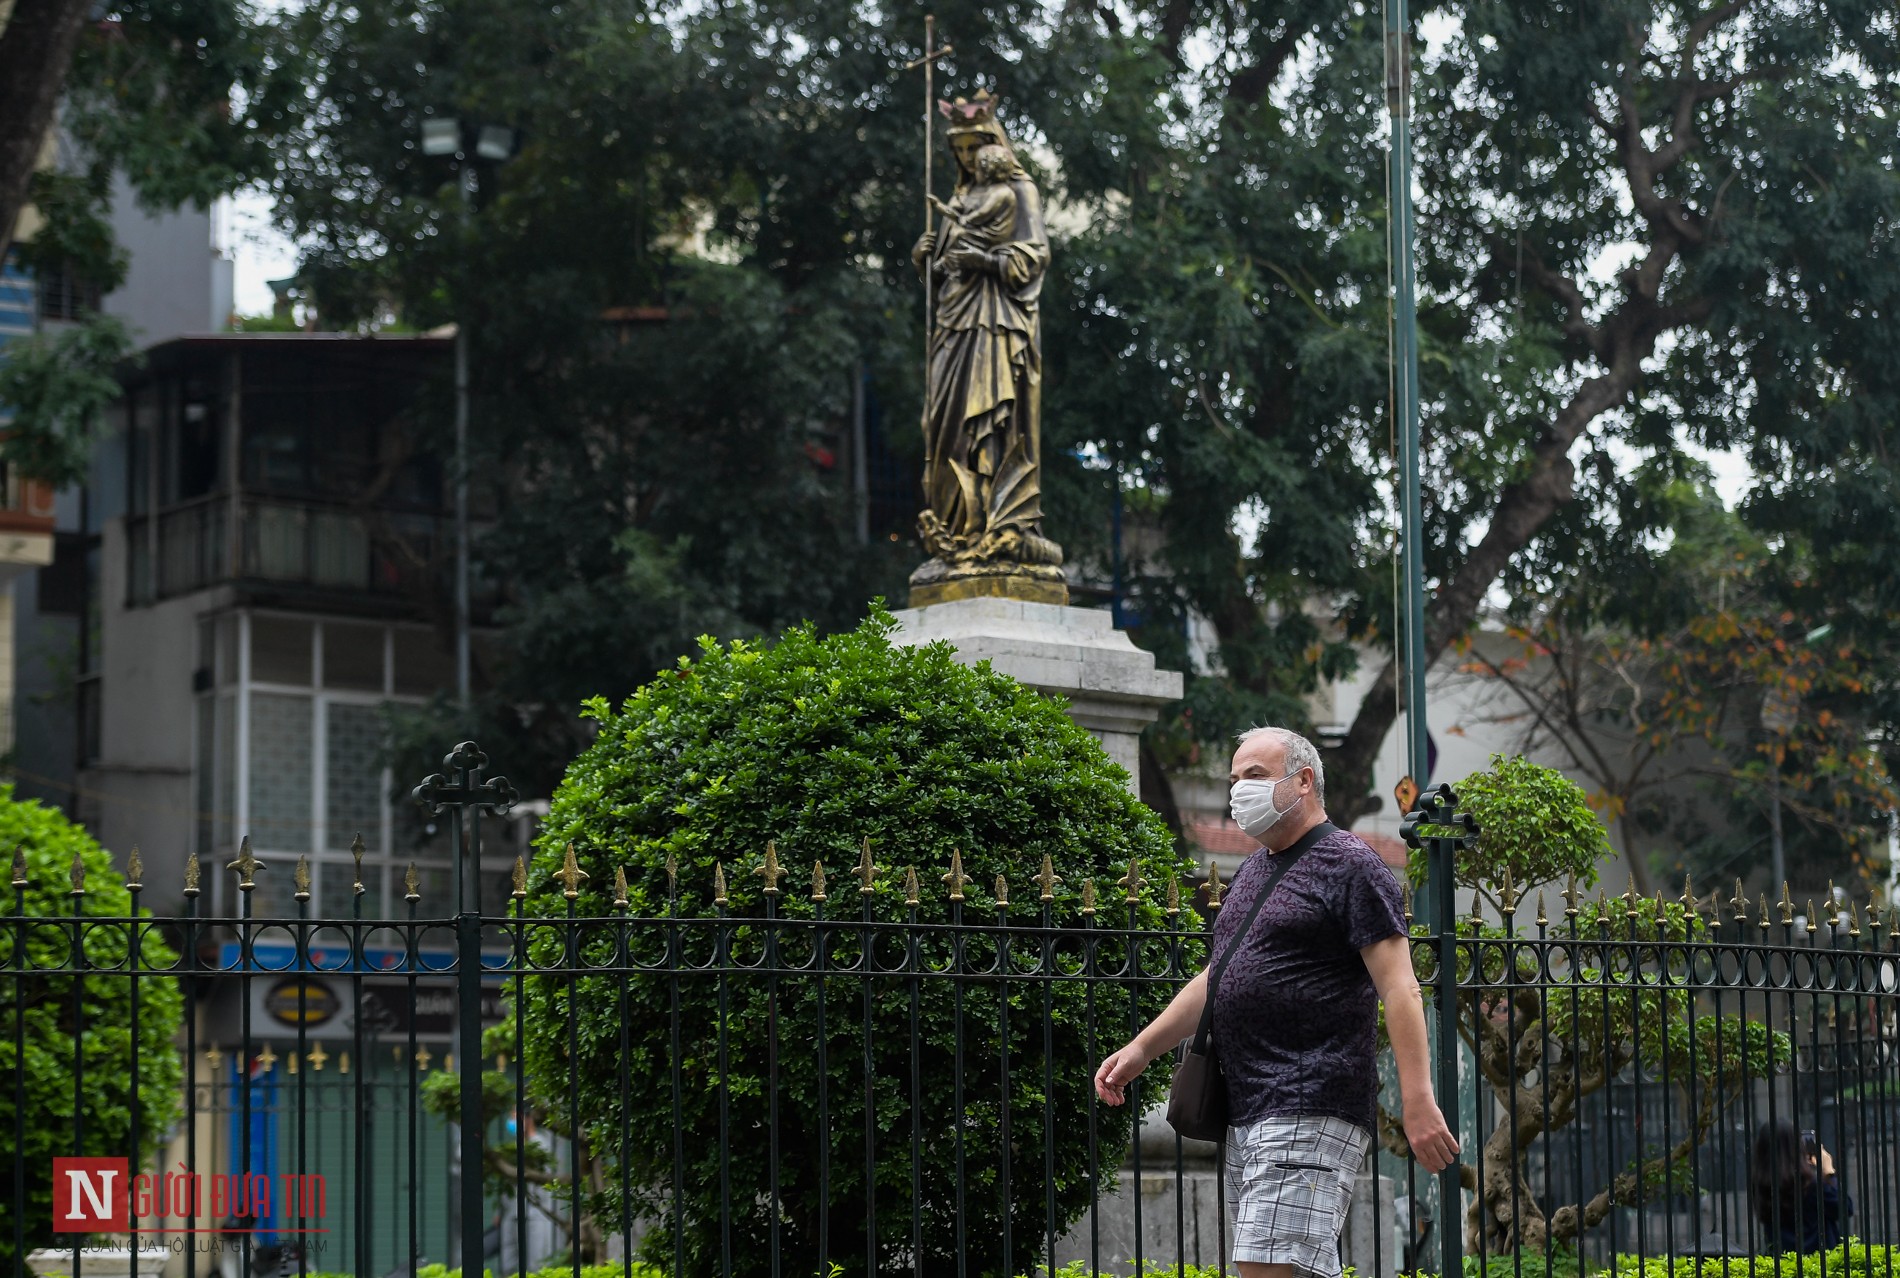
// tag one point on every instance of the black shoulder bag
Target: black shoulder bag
(1197, 1098)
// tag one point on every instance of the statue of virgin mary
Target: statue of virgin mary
(982, 521)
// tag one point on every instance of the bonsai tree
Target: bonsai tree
(130, 1087)
(1544, 1040)
(814, 746)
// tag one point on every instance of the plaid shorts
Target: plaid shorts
(1289, 1182)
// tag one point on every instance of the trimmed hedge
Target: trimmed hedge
(819, 744)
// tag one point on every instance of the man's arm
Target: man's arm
(1180, 1018)
(1390, 963)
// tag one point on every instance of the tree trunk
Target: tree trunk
(1504, 1215)
(36, 49)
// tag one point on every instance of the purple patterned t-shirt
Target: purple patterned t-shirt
(1296, 1014)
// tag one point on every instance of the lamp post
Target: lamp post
(493, 143)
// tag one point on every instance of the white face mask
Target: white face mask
(1253, 807)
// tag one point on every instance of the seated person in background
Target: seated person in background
(1794, 1191)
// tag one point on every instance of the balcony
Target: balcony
(335, 553)
(26, 524)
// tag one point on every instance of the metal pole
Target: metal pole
(1444, 851)
(461, 470)
(930, 156)
(860, 463)
(1398, 86)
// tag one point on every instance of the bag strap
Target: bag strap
(1276, 870)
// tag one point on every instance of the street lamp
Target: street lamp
(494, 143)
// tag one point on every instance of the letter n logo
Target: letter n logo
(89, 1195)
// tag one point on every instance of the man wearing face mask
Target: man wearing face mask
(1296, 1015)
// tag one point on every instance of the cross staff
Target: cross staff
(928, 63)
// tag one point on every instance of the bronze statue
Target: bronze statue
(982, 521)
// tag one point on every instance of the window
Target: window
(353, 782)
(66, 294)
(280, 771)
(353, 656)
(280, 651)
(423, 667)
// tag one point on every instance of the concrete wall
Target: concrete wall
(140, 789)
(178, 281)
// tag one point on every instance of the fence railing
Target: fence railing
(887, 1069)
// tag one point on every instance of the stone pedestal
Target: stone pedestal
(1113, 687)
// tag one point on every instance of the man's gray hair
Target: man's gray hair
(1300, 753)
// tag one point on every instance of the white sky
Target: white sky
(259, 252)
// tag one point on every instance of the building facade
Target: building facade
(274, 554)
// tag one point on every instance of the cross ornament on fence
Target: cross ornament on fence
(459, 788)
(462, 790)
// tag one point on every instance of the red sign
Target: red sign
(89, 1195)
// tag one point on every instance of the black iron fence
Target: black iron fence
(887, 1069)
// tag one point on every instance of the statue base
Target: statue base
(937, 582)
(1112, 687)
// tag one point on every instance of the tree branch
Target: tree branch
(36, 51)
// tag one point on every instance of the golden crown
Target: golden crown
(970, 113)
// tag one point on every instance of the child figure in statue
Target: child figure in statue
(985, 215)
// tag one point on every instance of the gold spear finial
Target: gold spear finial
(134, 870)
(570, 874)
(1833, 907)
(1739, 904)
(1047, 879)
(1507, 894)
(520, 878)
(1477, 908)
(78, 875)
(719, 883)
(1787, 906)
(1814, 919)
(955, 877)
(191, 874)
(620, 887)
(1541, 920)
(1764, 912)
(1174, 896)
(672, 873)
(1002, 893)
(1658, 909)
(1214, 887)
(412, 884)
(770, 870)
(300, 878)
(913, 890)
(246, 865)
(1873, 913)
(1088, 897)
(1688, 898)
(356, 851)
(818, 881)
(867, 869)
(1630, 898)
(1570, 897)
(19, 865)
(1131, 882)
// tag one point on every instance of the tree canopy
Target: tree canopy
(1645, 229)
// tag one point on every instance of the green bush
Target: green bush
(1534, 822)
(1851, 1259)
(1535, 826)
(44, 1005)
(820, 744)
